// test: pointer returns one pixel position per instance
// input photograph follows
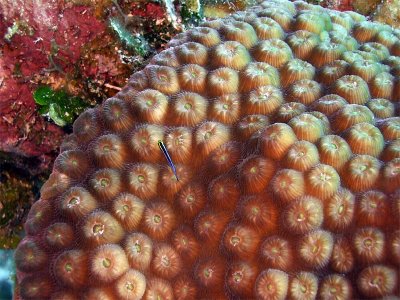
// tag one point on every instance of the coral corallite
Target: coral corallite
(282, 123)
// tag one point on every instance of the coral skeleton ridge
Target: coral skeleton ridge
(282, 125)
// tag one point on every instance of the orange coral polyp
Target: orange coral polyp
(335, 286)
(225, 157)
(304, 286)
(241, 241)
(391, 175)
(36, 287)
(59, 235)
(391, 151)
(151, 105)
(189, 109)
(241, 277)
(192, 53)
(288, 185)
(166, 262)
(139, 250)
(272, 284)
(307, 127)
(210, 226)
(294, 70)
(117, 115)
(305, 91)
(230, 54)
(288, 111)
(110, 151)
(207, 36)
(209, 136)
(363, 172)
(277, 139)
(185, 288)
(167, 58)
(373, 209)
(158, 288)
(322, 181)
(274, 52)
(143, 142)
(251, 124)
(369, 245)
(86, 127)
(225, 109)
(57, 184)
(70, 268)
(143, 180)
(304, 215)
(106, 184)
(342, 259)
(266, 28)
(76, 203)
(128, 209)
(302, 43)
(315, 248)
(261, 213)
(131, 285)
(72, 163)
(258, 74)
(191, 199)
(209, 273)
(186, 244)
(224, 193)
(377, 281)
(38, 217)
(172, 184)
(280, 15)
(193, 78)
(333, 71)
(30, 256)
(309, 21)
(257, 157)
(178, 141)
(223, 81)
(366, 69)
(256, 173)
(277, 252)
(158, 220)
(352, 88)
(349, 115)
(241, 32)
(390, 128)
(326, 52)
(339, 210)
(100, 228)
(264, 100)
(302, 156)
(164, 79)
(108, 262)
(382, 108)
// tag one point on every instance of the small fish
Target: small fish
(166, 154)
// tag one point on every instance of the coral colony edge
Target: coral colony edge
(282, 124)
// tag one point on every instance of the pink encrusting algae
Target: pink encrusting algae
(282, 123)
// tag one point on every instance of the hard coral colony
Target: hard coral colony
(281, 122)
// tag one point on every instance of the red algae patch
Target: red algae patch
(258, 157)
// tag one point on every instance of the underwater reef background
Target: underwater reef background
(59, 58)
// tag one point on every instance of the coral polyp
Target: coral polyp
(282, 127)
(303, 286)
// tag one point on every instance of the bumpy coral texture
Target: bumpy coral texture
(283, 124)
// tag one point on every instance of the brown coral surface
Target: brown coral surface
(283, 125)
